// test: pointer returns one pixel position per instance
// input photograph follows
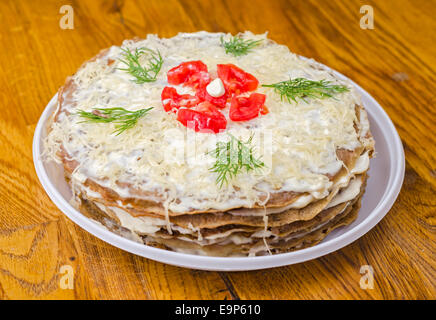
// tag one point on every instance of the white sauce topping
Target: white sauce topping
(216, 88)
(347, 194)
(362, 164)
(141, 225)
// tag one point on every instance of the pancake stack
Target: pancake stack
(160, 211)
(241, 231)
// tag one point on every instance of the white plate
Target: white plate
(385, 179)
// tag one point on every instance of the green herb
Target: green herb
(149, 72)
(301, 88)
(123, 119)
(232, 157)
(238, 46)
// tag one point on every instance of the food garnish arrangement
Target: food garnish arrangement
(212, 144)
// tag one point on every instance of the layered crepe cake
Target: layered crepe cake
(156, 180)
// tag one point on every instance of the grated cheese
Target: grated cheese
(156, 155)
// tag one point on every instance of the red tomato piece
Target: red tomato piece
(205, 117)
(190, 73)
(243, 108)
(172, 101)
(220, 102)
(198, 80)
(264, 110)
(235, 79)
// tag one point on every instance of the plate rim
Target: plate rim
(192, 261)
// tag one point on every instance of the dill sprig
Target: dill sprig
(147, 73)
(301, 88)
(238, 46)
(123, 119)
(232, 157)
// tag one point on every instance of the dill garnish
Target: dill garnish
(232, 157)
(123, 119)
(238, 46)
(147, 73)
(301, 88)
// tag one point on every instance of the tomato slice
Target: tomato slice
(205, 117)
(190, 73)
(264, 110)
(243, 108)
(235, 79)
(198, 80)
(200, 112)
(172, 101)
(204, 96)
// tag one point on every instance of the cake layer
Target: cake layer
(156, 181)
(309, 142)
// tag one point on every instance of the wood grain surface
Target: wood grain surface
(395, 62)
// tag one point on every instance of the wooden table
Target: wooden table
(395, 62)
